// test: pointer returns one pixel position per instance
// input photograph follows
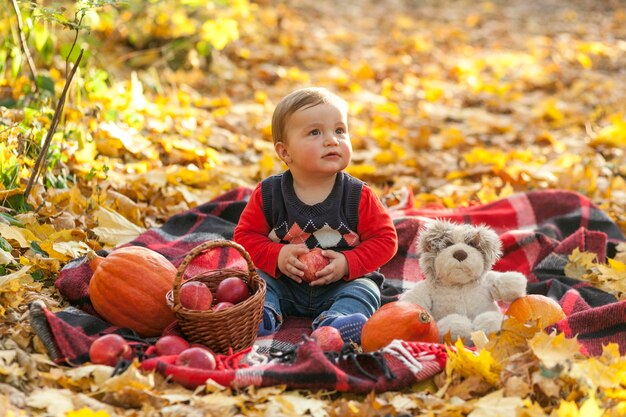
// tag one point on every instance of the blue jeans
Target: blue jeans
(285, 297)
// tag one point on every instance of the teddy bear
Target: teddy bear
(460, 290)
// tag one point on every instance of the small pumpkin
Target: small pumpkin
(398, 320)
(128, 289)
(536, 308)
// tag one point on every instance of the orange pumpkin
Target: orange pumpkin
(128, 289)
(536, 308)
(398, 320)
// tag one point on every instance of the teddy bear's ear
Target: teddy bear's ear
(488, 242)
(432, 235)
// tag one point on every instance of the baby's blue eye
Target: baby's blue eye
(314, 132)
(340, 131)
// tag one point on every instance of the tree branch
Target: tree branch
(39, 165)
(23, 44)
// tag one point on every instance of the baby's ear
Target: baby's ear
(433, 235)
(281, 151)
(486, 240)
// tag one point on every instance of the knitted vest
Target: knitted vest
(331, 224)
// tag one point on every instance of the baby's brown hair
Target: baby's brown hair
(296, 100)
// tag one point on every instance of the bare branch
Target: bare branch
(39, 165)
(23, 44)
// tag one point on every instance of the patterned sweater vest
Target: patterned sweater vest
(331, 224)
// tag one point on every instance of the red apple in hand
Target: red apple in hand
(170, 345)
(314, 261)
(233, 290)
(108, 349)
(196, 357)
(328, 338)
(195, 295)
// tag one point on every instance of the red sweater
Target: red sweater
(376, 244)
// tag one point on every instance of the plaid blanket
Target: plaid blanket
(539, 229)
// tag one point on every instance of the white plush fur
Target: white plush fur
(460, 290)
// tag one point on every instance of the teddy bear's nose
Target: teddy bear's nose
(459, 255)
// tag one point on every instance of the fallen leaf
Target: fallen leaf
(554, 349)
(113, 229)
(496, 405)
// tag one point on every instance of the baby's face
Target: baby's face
(317, 141)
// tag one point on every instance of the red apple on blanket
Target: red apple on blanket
(314, 261)
(233, 290)
(195, 295)
(109, 349)
(196, 357)
(328, 338)
(170, 345)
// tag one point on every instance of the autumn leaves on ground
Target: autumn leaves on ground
(462, 101)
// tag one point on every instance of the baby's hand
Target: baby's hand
(334, 271)
(288, 262)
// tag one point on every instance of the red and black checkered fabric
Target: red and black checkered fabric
(538, 229)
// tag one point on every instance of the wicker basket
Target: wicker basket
(235, 327)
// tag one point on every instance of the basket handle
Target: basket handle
(203, 247)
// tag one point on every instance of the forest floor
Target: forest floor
(463, 102)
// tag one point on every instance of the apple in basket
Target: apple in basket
(314, 261)
(233, 290)
(196, 357)
(108, 349)
(195, 295)
(222, 306)
(170, 345)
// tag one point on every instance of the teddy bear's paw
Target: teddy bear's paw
(488, 322)
(455, 326)
(507, 286)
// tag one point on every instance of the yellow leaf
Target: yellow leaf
(597, 374)
(385, 157)
(113, 229)
(6, 281)
(617, 266)
(469, 363)
(452, 137)
(86, 153)
(432, 93)
(113, 138)
(567, 409)
(19, 235)
(295, 74)
(496, 404)
(220, 32)
(364, 72)
(86, 412)
(70, 249)
(513, 339)
(297, 405)
(613, 275)
(387, 108)
(584, 60)
(54, 401)
(266, 164)
(553, 349)
(360, 170)
(131, 378)
(482, 156)
(613, 134)
(590, 408)
(550, 110)
(579, 263)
